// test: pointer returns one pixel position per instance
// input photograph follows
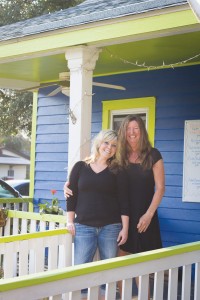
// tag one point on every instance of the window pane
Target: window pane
(117, 119)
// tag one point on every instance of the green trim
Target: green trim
(33, 145)
(34, 235)
(188, 64)
(127, 28)
(147, 102)
(94, 267)
(37, 216)
(16, 200)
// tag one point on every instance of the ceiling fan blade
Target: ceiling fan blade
(38, 87)
(56, 91)
(30, 89)
(109, 86)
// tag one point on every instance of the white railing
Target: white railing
(21, 204)
(55, 284)
(19, 222)
(35, 252)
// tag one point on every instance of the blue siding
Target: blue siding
(51, 145)
(177, 99)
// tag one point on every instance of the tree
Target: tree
(12, 11)
(16, 107)
(16, 112)
(17, 143)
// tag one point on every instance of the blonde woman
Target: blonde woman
(98, 209)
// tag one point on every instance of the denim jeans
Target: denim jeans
(87, 239)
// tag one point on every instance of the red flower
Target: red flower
(53, 192)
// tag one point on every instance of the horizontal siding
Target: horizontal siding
(173, 168)
(51, 146)
(172, 237)
(179, 225)
(179, 221)
(44, 129)
(177, 99)
(180, 214)
(173, 156)
(170, 134)
(49, 176)
(52, 138)
(169, 147)
(176, 202)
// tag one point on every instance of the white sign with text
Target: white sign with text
(191, 161)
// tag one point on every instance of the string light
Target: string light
(136, 64)
(143, 65)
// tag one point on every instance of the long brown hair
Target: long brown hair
(144, 146)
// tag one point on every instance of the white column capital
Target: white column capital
(82, 57)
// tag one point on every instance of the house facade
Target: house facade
(13, 165)
(120, 57)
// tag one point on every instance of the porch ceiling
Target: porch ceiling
(118, 58)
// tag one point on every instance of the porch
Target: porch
(31, 278)
(66, 283)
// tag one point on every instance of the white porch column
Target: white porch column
(81, 62)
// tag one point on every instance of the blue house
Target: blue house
(89, 66)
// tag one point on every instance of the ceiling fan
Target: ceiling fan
(64, 85)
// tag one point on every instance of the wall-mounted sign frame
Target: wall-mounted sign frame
(191, 161)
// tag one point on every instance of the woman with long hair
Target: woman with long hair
(98, 209)
(145, 169)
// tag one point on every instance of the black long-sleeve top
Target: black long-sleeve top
(100, 198)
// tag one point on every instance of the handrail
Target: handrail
(36, 216)
(33, 235)
(20, 222)
(90, 268)
(24, 204)
(16, 200)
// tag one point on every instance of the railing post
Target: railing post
(143, 289)
(197, 282)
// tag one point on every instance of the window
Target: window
(114, 112)
(117, 116)
(11, 172)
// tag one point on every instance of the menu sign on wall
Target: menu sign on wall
(191, 161)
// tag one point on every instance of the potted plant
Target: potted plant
(51, 207)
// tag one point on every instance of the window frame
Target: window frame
(133, 105)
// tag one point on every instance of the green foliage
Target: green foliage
(12, 11)
(17, 143)
(15, 107)
(51, 208)
(16, 112)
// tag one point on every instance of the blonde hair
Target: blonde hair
(124, 149)
(103, 136)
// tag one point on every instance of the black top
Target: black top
(142, 185)
(100, 198)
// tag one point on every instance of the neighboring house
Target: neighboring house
(152, 48)
(13, 165)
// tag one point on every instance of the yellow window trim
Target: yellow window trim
(134, 103)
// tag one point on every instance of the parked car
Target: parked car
(14, 188)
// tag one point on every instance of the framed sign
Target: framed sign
(191, 161)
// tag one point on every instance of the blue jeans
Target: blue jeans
(87, 239)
